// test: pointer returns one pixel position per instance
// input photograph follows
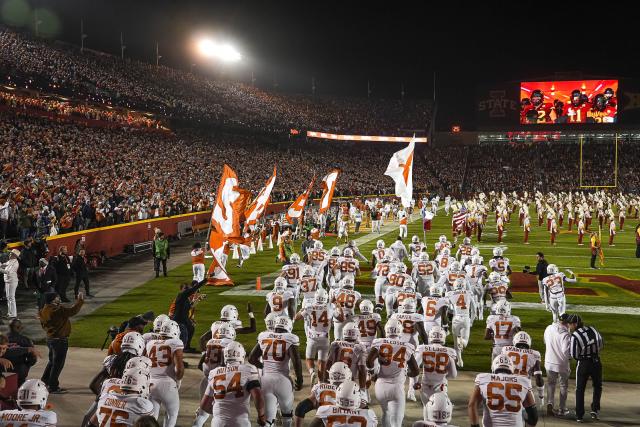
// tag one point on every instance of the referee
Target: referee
(586, 345)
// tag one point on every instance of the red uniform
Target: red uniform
(607, 115)
(576, 114)
(543, 112)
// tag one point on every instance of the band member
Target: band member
(526, 225)
(612, 231)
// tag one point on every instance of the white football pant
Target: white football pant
(164, 392)
(198, 272)
(278, 392)
(390, 395)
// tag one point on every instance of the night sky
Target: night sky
(344, 44)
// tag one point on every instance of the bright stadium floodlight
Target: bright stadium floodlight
(223, 52)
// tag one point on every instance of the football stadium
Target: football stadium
(274, 214)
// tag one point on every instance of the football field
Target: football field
(607, 298)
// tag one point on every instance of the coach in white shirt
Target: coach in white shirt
(557, 357)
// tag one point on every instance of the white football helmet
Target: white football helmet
(402, 267)
(135, 382)
(307, 271)
(552, 269)
(494, 276)
(366, 307)
(348, 395)
(475, 252)
(280, 285)
(415, 239)
(348, 252)
(350, 332)
(229, 313)
(234, 353)
(133, 343)
(386, 258)
(393, 268)
(32, 392)
(458, 284)
(170, 329)
(348, 282)
(294, 258)
(423, 257)
(497, 251)
(339, 373)
(226, 331)
(442, 238)
(502, 362)
(158, 321)
(408, 306)
(466, 241)
(318, 245)
(335, 251)
(380, 244)
(503, 308)
(455, 266)
(283, 322)
(476, 260)
(439, 408)
(437, 335)
(321, 297)
(522, 338)
(435, 291)
(270, 321)
(446, 252)
(409, 285)
(139, 362)
(393, 328)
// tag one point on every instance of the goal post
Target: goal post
(613, 183)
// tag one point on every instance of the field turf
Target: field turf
(620, 331)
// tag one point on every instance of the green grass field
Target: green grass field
(619, 331)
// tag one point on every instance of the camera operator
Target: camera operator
(541, 272)
(135, 324)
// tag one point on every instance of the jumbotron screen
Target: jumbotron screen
(578, 101)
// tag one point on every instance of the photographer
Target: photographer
(21, 352)
(135, 324)
(541, 272)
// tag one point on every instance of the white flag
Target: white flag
(328, 186)
(401, 170)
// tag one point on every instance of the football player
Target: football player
(461, 301)
(333, 273)
(277, 349)
(229, 314)
(399, 249)
(323, 394)
(347, 265)
(317, 318)
(281, 300)
(443, 261)
(155, 333)
(32, 402)
(344, 299)
(464, 251)
(438, 412)
(504, 395)
(423, 273)
(526, 361)
(434, 308)
(309, 284)
(349, 351)
(610, 98)
(408, 291)
(544, 112)
(499, 263)
(415, 249)
(396, 361)
(501, 327)
(292, 272)
(356, 252)
(318, 260)
(346, 412)
(497, 288)
(230, 388)
(576, 110)
(553, 285)
(167, 370)
(441, 244)
(128, 404)
(377, 255)
(396, 278)
(476, 273)
(381, 273)
(438, 365)
(600, 112)
(369, 323)
(453, 273)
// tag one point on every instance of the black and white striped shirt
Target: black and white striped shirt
(586, 343)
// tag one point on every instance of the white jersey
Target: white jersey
(308, 288)
(415, 249)
(275, 351)
(499, 264)
(396, 282)
(110, 385)
(378, 254)
(497, 290)
(213, 356)
(475, 273)
(317, 258)
(236, 324)
(279, 303)
(407, 293)
(28, 418)
(291, 272)
(461, 302)
(230, 388)
(352, 354)
(150, 336)
(555, 284)
(347, 299)
(503, 396)
(393, 356)
(348, 266)
(381, 269)
(524, 359)
(399, 250)
(504, 328)
(324, 394)
(334, 416)
(439, 246)
(122, 409)
(431, 307)
(444, 262)
(438, 363)
(368, 325)
(409, 329)
(161, 353)
(423, 270)
(317, 318)
(464, 251)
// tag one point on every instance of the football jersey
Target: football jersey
(423, 269)
(213, 356)
(460, 301)
(28, 418)
(453, 276)
(503, 396)
(475, 273)
(382, 269)
(503, 327)
(161, 354)
(415, 249)
(237, 324)
(607, 115)
(524, 359)
(437, 361)
(378, 254)
(308, 287)
(279, 303)
(122, 409)
(275, 351)
(431, 308)
(110, 385)
(555, 284)
(334, 416)
(409, 321)
(332, 261)
(317, 258)
(499, 264)
(439, 246)
(324, 393)
(150, 336)
(291, 272)
(407, 293)
(497, 290)
(576, 114)
(396, 281)
(348, 266)
(347, 299)
(353, 354)
(230, 388)
(317, 318)
(444, 262)
(367, 323)
(465, 252)
(393, 356)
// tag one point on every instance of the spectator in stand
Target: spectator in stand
(161, 253)
(22, 352)
(63, 271)
(81, 271)
(46, 280)
(54, 319)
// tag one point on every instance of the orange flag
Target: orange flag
(297, 208)
(259, 205)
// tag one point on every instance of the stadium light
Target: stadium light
(224, 52)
